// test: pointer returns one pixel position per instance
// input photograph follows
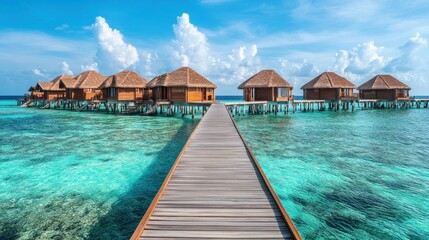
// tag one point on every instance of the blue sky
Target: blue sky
(225, 40)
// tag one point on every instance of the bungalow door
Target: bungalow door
(204, 93)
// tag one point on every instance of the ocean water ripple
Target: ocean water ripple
(78, 175)
(343, 175)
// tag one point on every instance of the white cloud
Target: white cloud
(304, 69)
(360, 63)
(365, 58)
(191, 48)
(241, 64)
(297, 73)
(113, 53)
(409, 60)
(62, 27)
(88, 67)
(190, 45)
(65, 68)
(40, 73)
(150, 64)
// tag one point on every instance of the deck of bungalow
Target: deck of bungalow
(216, 189)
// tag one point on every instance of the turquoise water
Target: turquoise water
(340, 175)
(77, 175)
(343, 175)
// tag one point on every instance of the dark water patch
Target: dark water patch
(72, 165)
(367, 202)
(105, 159)
(299, 200)
(8, 229)
(35, 160)
(343, 222)
(125, 214)
(414, 235)
(16, 177)
(59, 217)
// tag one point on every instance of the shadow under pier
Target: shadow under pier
(126, 213)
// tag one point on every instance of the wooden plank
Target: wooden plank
(215, 190)
(215, 234)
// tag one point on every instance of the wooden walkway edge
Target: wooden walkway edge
(216, 189)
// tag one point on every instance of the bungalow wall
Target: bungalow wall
(263, 94)
(200, 94)
(123, 94)
(182, 94)
(53, 95)
(266, 94)
(327, 93)
(159, 93)
(84, 94)
(147, 94)
(177, 94)
(37, 95)
(383, 94)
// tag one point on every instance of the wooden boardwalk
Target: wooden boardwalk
(216, 190)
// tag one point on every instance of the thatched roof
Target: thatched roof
(383, 82)
(43, 86)
(54, 84)
(124, 79)
(67, 83)
(328, 80)
(88, 79)
(265, 79)
(31, 89)
(182, 77)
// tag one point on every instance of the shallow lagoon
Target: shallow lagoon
(340, 175)
(343, 175)
(71, 175)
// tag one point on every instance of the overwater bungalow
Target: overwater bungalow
(267, 85)
(84, 87)
(124, 86)
(35, 94)
(51, 90)
(384, 87)
(181, 85)
(328, 86)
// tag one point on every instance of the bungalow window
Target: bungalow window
(112, 92)
(89, 90)
(283, 92)
(345, 92)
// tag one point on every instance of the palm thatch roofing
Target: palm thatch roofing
(54, 84)
(67, 83)
(328, 80)
(124, 79)
(182, 77)
(87, 79)
(265, 79)
(43, 86)
(383, 81)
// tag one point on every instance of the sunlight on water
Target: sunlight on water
(81, 175)
(361, 175)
